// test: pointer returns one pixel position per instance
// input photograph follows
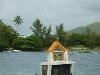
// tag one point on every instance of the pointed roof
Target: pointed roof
(55, 45)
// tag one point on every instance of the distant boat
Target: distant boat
(16, 50)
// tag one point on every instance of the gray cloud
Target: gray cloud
(72, 13)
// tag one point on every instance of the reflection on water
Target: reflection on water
(28, 63)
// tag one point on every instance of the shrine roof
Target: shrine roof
(55, 45)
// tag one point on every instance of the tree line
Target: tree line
(41, 37)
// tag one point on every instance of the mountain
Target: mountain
(95, 27)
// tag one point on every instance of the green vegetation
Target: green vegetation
(18, 21)
(7, 34)
(95, 27)
(41, 37)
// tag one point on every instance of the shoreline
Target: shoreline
(73, 48)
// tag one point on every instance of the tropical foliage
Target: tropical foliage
(7, 34)
(41, 37)
(18, 21)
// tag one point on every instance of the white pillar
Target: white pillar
(49, 70)
(66, 56)
(50, 57)
(72, 68)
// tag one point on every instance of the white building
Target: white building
(58, 63)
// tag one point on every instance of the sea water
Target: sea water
(28, 63)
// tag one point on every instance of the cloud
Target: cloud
(72, 13)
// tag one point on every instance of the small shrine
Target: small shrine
(57, 63)
(57, 52)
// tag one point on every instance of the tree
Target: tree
(88, 31)
(1, 22)
(18, 21)
(3, 44)
(19, 42)
(38, 29)
(7, 34)
(34, 42)
(48, 37)
(98, 40)
(90, 38)
(76, 39)
(41, 31)
(60, 33)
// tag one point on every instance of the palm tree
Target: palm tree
(18, 21)
(1, 21)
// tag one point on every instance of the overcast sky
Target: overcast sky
(73, 13)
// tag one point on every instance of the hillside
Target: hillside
(95, 27)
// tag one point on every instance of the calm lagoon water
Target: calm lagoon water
(28, 63)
